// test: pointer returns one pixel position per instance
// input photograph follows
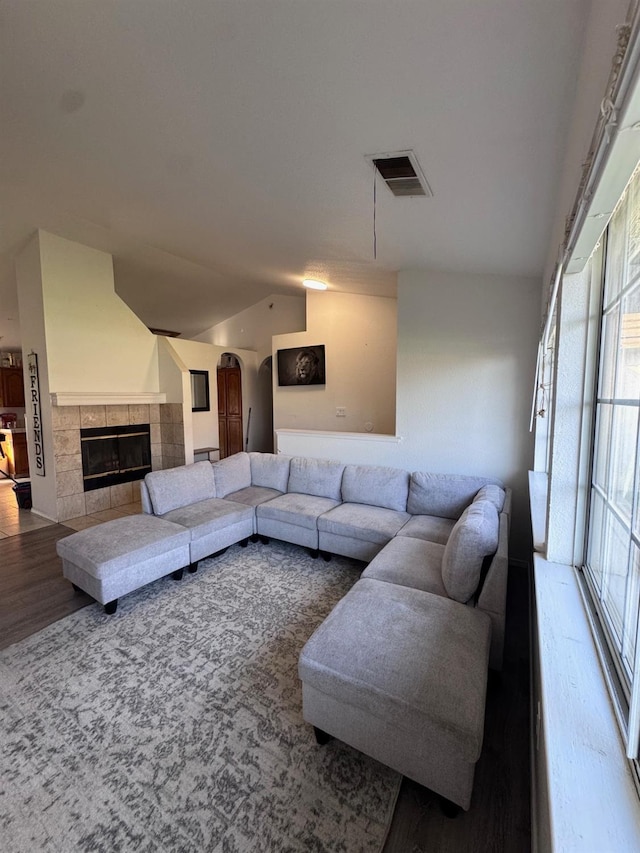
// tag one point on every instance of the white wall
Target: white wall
(253, 328)
(466, 363)
(199, 356)
(360, 336)
(94, 341)
(32, 330)
(86, 338)
(595, 67)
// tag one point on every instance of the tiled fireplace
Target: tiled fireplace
(167, 450)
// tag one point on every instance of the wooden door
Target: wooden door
(230, 410)
(12, 387)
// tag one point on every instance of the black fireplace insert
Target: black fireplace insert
(113, 455)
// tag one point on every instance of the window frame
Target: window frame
(623, 678)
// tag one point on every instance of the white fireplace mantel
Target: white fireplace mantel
(106, 398)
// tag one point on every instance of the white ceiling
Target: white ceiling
(217, 149)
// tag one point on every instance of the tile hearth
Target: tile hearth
(14, 521)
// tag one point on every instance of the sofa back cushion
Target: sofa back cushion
(270, 470)
(492, 493)
(474, 536)
(319, 477)
(444, 495)
(178, 487)
(376, 485)
(232, 474)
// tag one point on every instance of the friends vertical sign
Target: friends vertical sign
(34, 412)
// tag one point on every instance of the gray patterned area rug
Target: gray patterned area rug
(176, 724)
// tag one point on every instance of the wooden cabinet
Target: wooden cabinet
(11, 387)
(230, 410)
(16, 461)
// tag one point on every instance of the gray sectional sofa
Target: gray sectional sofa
(439, 533)
(399, 668)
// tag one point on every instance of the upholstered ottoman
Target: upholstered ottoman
(116, 557)
(401, 675)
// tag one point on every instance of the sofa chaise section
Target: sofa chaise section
(119, 556)
(401, 675)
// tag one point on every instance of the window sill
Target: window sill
(592, 799)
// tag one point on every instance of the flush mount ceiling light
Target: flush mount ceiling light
(402, 173)
(313, 284)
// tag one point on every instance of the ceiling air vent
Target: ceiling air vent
(401, 173)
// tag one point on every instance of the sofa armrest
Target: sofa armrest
(145, 499)
(493, 594)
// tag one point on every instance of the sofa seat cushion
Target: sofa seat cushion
(376, 485)
(444, 495)
(320, 477)
(293, 508)
(232, 474)
(178, 487)
(122, 543)
(474, 537)
(428, 527)
(409, 562)
(253, 495)
(371, 523)
(206, 517)
(415, 660)
(270, 470)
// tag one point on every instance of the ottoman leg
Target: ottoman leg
(449, 809)
(321, 737)
(177, 575)
(111, 607)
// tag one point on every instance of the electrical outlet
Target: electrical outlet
(341, 412)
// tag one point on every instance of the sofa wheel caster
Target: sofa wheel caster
(313, 553)
(244, 543)
(326, 556)
(193, 568)
(111, 607)
(321, 737)
(264, 540)
(177, 575)
(449, 809)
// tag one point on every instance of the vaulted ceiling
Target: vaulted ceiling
(218, 149)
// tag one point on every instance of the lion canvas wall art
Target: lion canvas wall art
(301, 366)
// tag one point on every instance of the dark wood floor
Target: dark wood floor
(33, 594)
(499, 820)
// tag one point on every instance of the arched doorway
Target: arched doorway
(229, 405)
(263, 434)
